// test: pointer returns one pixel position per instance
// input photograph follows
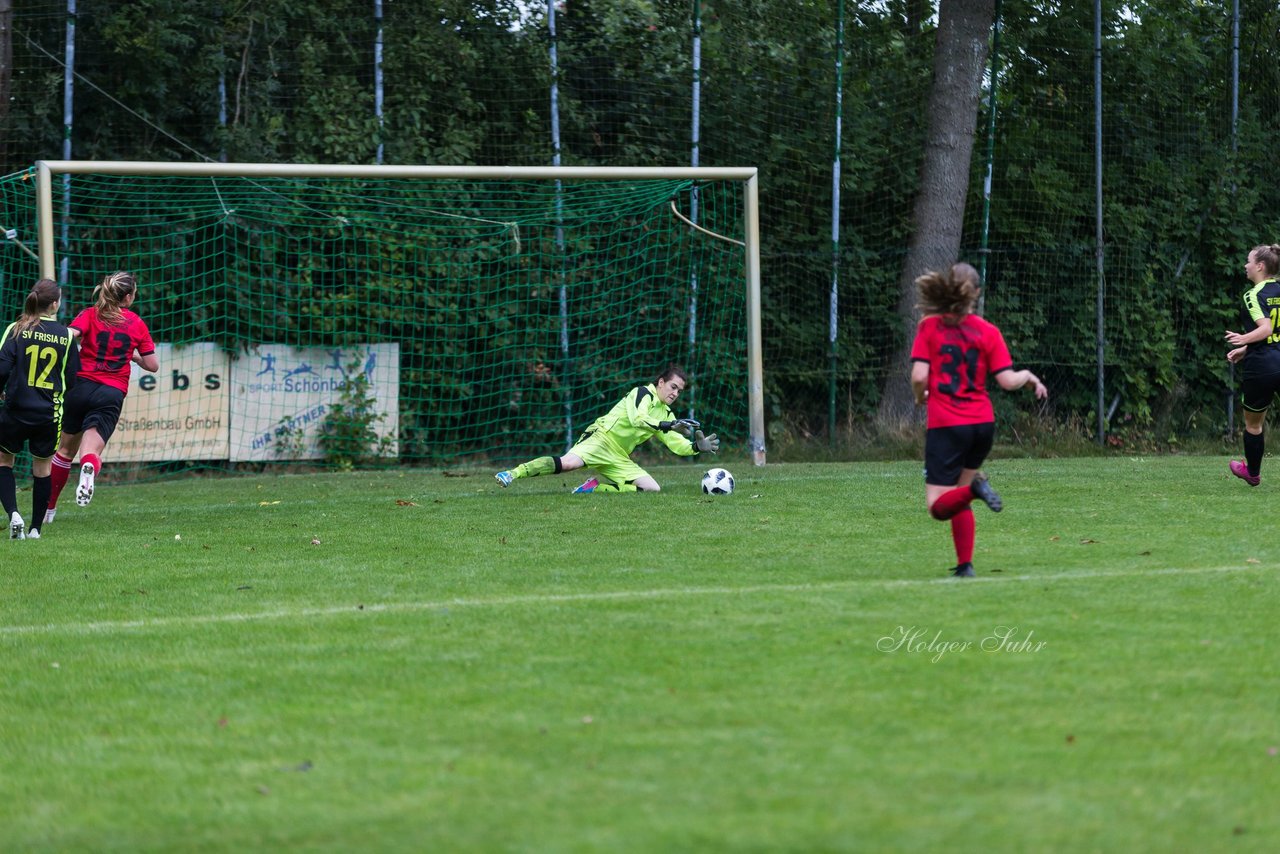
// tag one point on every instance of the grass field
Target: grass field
(415, 662)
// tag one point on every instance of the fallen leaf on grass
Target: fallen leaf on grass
(315, 542)
(1086, 541)
(448, 473)
(400, 502)
(1252, 560)
(267, 503)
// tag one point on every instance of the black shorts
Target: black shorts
(949, 450)
(42, 439)
(89, 404)
(1257, 392)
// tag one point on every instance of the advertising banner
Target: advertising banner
(280, 397)
(178, 413)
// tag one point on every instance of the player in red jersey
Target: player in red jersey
(111, 336)
(953, 353)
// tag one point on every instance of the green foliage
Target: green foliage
(349, 433)
(1187, 191)
(290, 439)
(1180, 210)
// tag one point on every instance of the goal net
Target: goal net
(401, 315)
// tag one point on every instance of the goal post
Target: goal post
(358, 242)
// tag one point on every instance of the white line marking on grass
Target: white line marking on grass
(597, 596)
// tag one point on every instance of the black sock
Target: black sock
(41, 489)
(1254, 444)
(8, 492)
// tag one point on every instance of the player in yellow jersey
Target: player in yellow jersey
(1257, 351)
(37, 364)
(607, 444)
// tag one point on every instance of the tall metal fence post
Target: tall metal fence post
(560, 247)
(1235, 147)
(833, 302)
(377, 77)
(68, 103)
(985, 249)
(222, 86)
(695, 137)
(1098, 246)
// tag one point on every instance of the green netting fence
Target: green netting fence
(422, 322)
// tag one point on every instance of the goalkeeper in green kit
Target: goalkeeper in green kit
(607, 444)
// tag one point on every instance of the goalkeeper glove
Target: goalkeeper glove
(683, 426)
(709, 444)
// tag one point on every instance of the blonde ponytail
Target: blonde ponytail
(110, 296)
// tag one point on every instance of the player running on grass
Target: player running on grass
(607, 444)
(111, 336)
(953, 352)
(34, 354)
(1258, 354)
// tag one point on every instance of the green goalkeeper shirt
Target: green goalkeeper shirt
(634, 420)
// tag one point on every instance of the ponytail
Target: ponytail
(952, 294)
(1268, 255)
(42, 298)
(110, 294)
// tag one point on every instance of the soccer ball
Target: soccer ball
(717, 482)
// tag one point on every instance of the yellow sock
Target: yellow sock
(533, 468)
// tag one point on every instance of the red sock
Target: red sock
(92, 460)
(963, 535)
(951, 502)
(61, 471)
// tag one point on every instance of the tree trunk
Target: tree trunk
(960, 55)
